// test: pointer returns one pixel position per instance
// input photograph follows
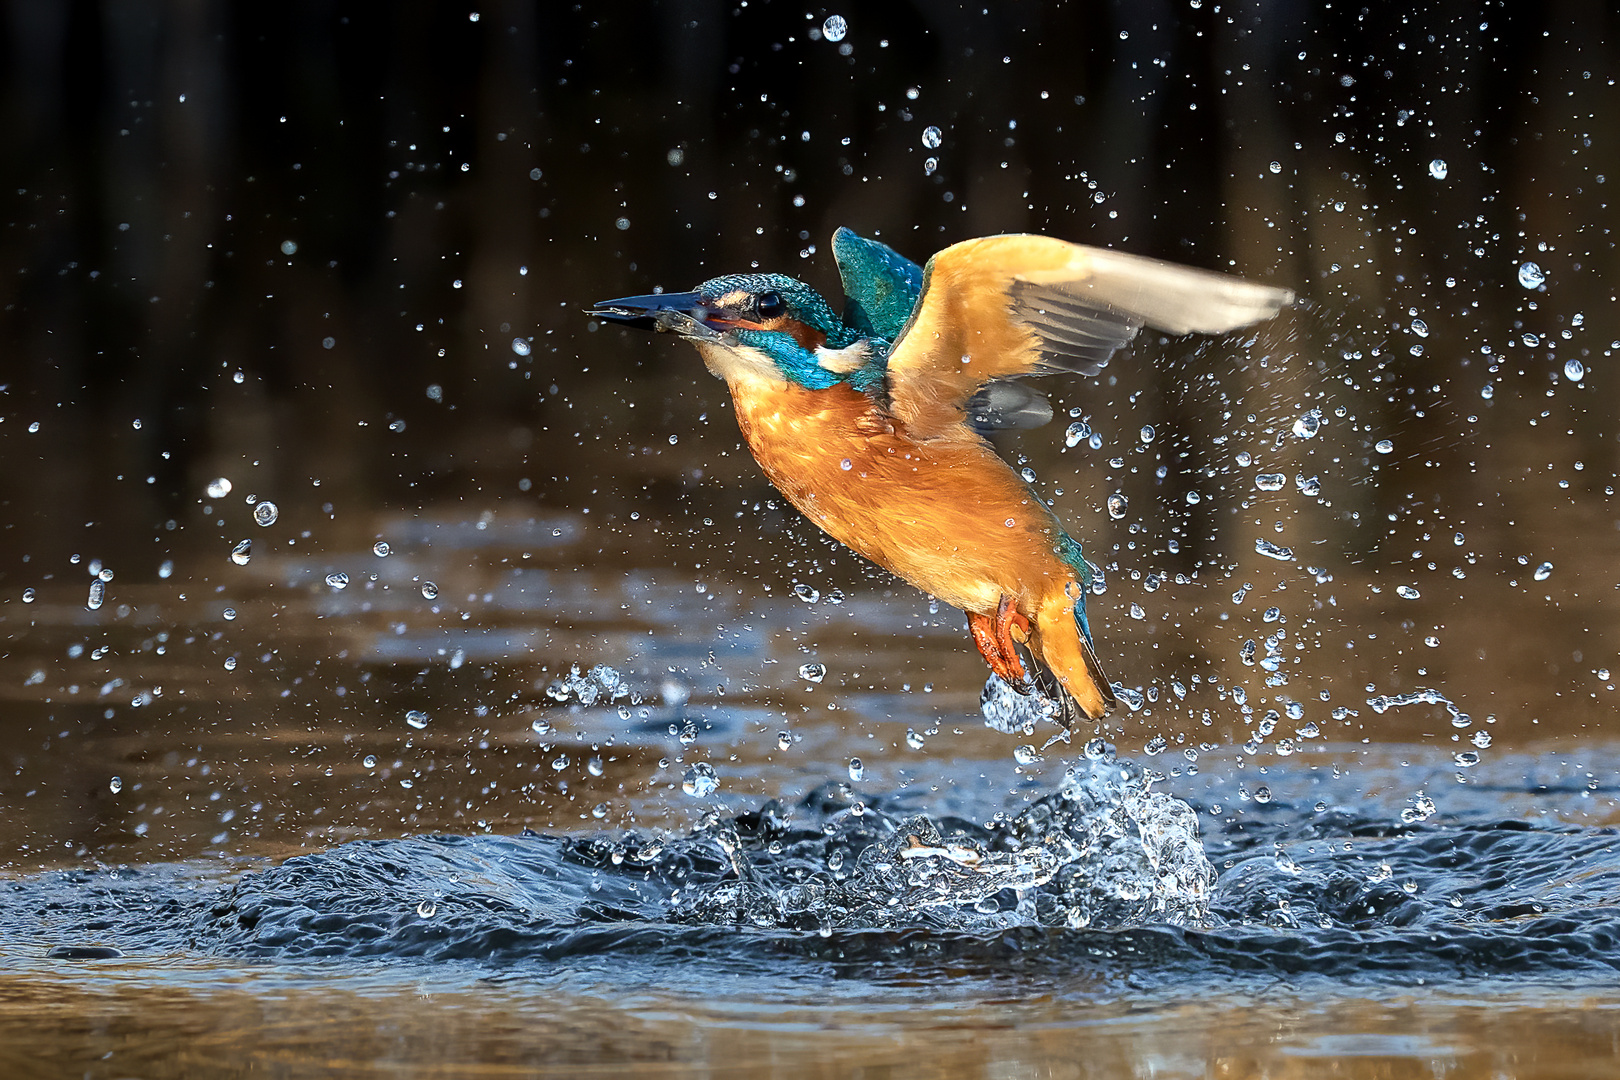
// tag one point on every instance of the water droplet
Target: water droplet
(1270, 481)
(1544, 571)
(1308, 425)
(1308, 485)
(857, 771)
(370, 761)
(1026, 755)
(1384, 446)
(338, 581)
(700, 781)
(1117, 505)
(115, 785)
(835, 28)
(1075, 433)
(229, 614)
(289, 247)
(913, 740)
(328, 342)
(521, 347)
(1420, 328)
(241, 553)
(1273, 551)
(427, 909)
(218, 489)
(1438, 168)
(1098, 749)
(266, 512)
(430, 591)
(381, 549)
(417, 719)
(166, 569)
(930, 166)
(1574, 370)
(931, 137)
(784, 739)
(1147, 433)
(1531, 275)
(808, 593)
(1275, 166)
(1487, 391)
(1432, 642)
(28, 596)
(813, 672)
(230, 663)
(1262, 794)
(540, 727)
(1407, 592)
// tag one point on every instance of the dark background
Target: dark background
(158, 155)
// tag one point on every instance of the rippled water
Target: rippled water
(1102, 870)
(1092, 903)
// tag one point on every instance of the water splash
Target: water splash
(1102, 851)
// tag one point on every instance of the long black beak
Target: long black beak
(683, 313)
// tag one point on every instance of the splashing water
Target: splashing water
(1103, 851)
(1006, 710)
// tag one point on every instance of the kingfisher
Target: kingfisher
(874, 422)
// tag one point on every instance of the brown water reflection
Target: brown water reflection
(260, 1026)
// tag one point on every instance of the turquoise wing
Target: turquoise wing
(881, 286)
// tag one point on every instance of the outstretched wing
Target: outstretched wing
(1004, 306)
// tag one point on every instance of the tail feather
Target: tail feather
(1066, 667)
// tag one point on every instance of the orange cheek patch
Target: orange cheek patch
(809, 340)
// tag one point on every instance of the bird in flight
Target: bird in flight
(873, 423)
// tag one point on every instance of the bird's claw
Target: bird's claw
(998, 637)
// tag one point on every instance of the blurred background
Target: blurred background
(333, 257)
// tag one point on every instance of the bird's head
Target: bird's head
(755, 326)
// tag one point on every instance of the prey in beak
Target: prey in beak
(687, 314)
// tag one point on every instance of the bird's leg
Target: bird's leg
(984, 636)
(995, 636)
(1012, 627)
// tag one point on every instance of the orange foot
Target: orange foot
(995, 637)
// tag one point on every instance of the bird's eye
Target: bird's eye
(770, 306)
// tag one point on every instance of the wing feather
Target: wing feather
(1003, 306)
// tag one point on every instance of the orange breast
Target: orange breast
(948, 515)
